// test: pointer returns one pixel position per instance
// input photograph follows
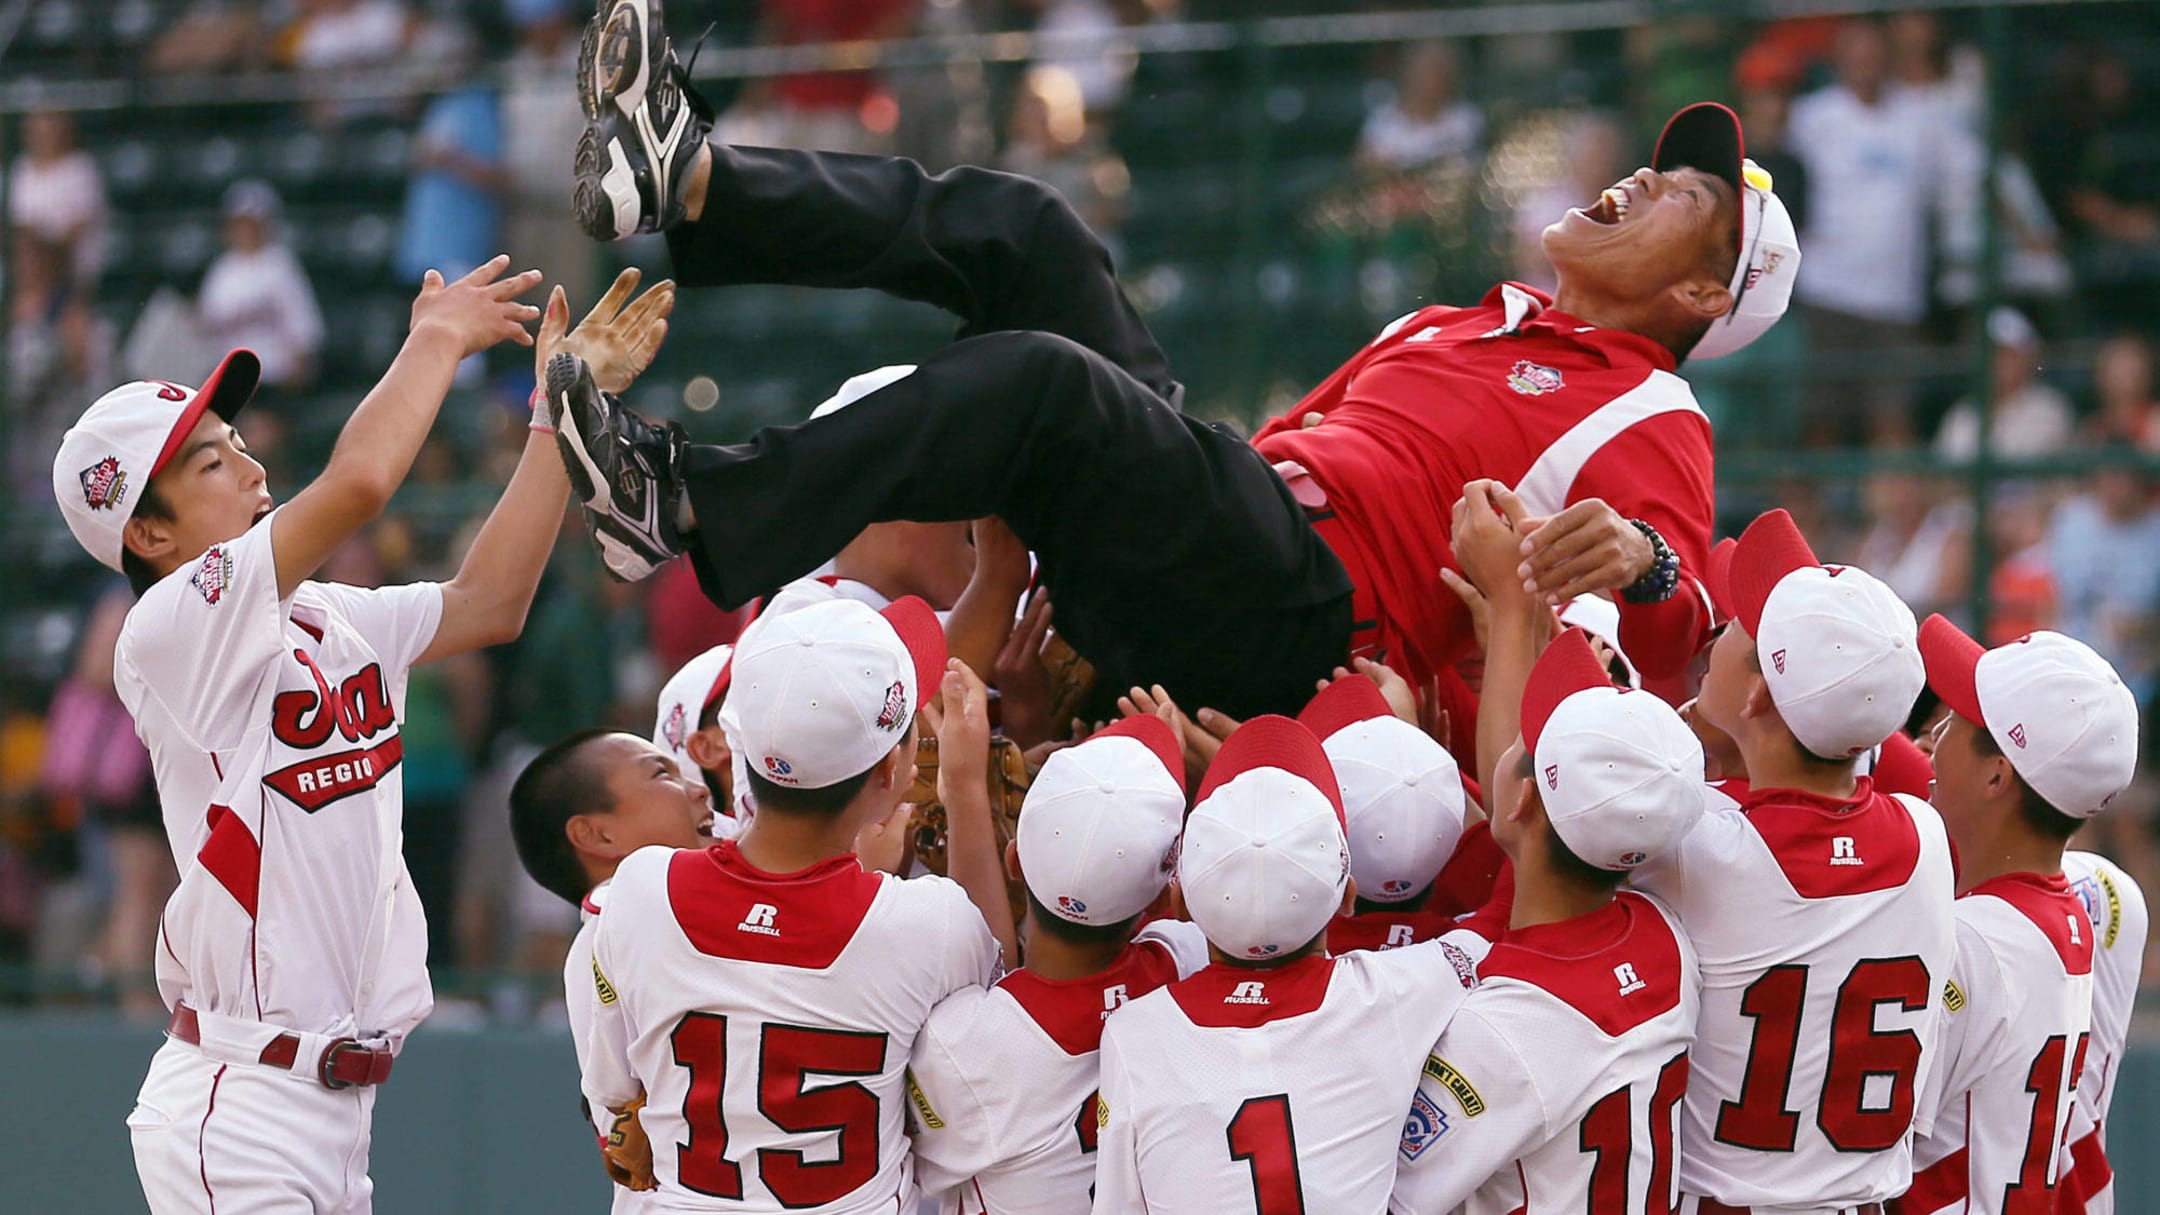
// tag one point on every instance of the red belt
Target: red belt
(344, 1063)
(1713, 1207)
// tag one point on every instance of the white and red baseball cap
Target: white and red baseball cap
(1099, 829)
(1402, 794)
(2057, 710)
(1839, 649)
(824, 693)
(689, 692)
(1621, 776)
(1265, 861)
(1706, 136)
(127, 437)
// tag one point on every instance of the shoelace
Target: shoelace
(690, 65)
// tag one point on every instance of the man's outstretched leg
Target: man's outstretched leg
(999, 251)
(1174, 553)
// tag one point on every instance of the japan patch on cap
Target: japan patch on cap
(1706, 136)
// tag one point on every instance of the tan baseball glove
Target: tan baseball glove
(627, 1153)
(1008, 779)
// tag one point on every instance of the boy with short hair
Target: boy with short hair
(1004, 1080)
(2042, 735)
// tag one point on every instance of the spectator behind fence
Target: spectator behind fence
(454, 199)
(539, 119)
(1049, 139)
(56, 195)
(211, 36)
(1874, 160)
(1914, 541)
(2104, 551)
(255, 295)
(1083, 39)
(2123, 384)
(1427, 118)
(1593, 147)
(2091, 159)
(1927, 69)
(2027, 416)
(823, 111)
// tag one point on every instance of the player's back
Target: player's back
(1269, 1091)
(1824, 933)
(2014, 1034)
(769, 1019)
(1004, 1081)
(2116, 907)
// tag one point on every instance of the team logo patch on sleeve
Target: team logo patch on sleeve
(1465, 969)
(924, 1113)
(104, 486)
(213, 574)
(1457, 1085)
(1953, 996)
(1427, 1122)
(601, 987)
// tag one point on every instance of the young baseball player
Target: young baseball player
(576, 811)
(1819, 908)
(1319, 537)
(1275, 1079)
(2119, 917)
(2042, 735)
(690, 731)
(762, 995)
(1004, 1080)
(1560, 1078)
(293, 953)
(1403, 809)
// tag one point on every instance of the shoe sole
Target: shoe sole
(566, 374)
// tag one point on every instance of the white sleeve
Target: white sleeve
(954, 1132)
(204, 643)
(604, 1058)
(973, 957)
(1477, 1109)
(1183, 938)
(1117, 1148)
(581, 1000)
(1974, 1009)
(1427, 982)
(397, 622)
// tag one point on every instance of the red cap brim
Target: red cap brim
(1274, 742)
(1156, 735)
(1566, 667)
(1953, 666)
(1706, 136)
(924, 638)
(225, 393)
(1769, 549)
(1345, 702)
(1717, 576)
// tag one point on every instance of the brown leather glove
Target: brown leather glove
(626, 1152)
(1008, 779)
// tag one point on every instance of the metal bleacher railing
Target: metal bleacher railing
(1237, 129)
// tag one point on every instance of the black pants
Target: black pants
(1173, 552)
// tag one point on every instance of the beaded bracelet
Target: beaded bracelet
(1662, 578)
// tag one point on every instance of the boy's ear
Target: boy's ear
(1012, 862)
(708, 749)
(148, 537)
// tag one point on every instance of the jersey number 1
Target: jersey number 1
(787, 1055)
(1263, 1136)
(2033, 1193)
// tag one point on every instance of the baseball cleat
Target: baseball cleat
(623, 471)
(643, 123)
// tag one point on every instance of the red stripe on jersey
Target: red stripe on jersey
(1941, 1184)
(2056, 912)
(202, 1132)
(729, 908)
(2088, 1174)
(1385, 929)
(1072, 1011)
(1222, 996)
(1829, 847)
(232, 856)
(1618, 966)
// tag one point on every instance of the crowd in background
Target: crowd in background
(1875, 130)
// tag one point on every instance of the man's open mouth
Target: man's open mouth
(1611, 206)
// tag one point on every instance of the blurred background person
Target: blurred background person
(2026, 415)
(1426, 118)
(256, 295)
(2125, 410)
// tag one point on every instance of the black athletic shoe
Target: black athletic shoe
(623, 471)
(643, 123)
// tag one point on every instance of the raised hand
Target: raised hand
(1587, 547)
(617, 339)
(478, 310)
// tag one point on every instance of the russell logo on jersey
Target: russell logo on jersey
(1247, 993)
(760, 919)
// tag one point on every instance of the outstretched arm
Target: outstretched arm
(485, 604)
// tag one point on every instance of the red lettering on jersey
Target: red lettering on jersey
(1576, 960)
(729, 908)
(1071, 1011)
(358, 709)
(1801, 830)
(2049, 904)
(319, 780)
(1290, 990)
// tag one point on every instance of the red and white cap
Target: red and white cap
(127, 437)
(2057, 710)
(1706, 136)
(1839, 649)
(689, 692)
(1099, 829)
(1264, 861)
(826, 692)
(1402, 794)
(1621, 776)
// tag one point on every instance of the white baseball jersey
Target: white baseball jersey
(273, 728)
(769, 1019)
(2117, 909)
(1004, 1103)
(2016, 1012)
(1824, 933)
(1561, 1075)
(580, 996)
(1273, 1091)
